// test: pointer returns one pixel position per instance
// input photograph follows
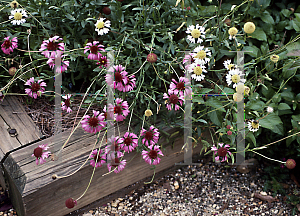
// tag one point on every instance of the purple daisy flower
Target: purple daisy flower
(150, 137)
(180, 86)
(120, 79)
(66, 105)
(120, 165)
(93, 124)
(103, 62)
(120, 109)
(97, 159)
(40, 155)
(173, 99)
(49, 47)
(222, 152)
(114, 147)
(64, 64)
(95, 50)
(36, 88)
(151, 156)
(8, 46)
(130, 142)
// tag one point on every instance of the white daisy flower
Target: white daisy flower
(100, 26)
(200, 53)
(196, 33)
(227, 64)
(270, 109)
(197, 70)
(253, 125)
(235, 77)
(17, 15)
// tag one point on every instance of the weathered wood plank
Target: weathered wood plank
(26, 129)
(40, 195)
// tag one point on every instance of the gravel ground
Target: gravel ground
(206, 189)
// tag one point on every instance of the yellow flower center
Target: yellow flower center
(231, 66)
(198, 70)
(100, 25)
(201, 55)
(235, 78)
(196, 33)
(274, 58)
(233, 31)
(18, 16)
(254, 125)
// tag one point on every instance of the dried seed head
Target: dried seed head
(290, 164)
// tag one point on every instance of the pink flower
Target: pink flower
(9, 45)
(222, 152)
(95, 50)
(66, 105)
(173, 99)
(120, 109)
(150, 137)
(103, 62)
(151, 156)
(180, 86)
(130, 142)
(64, 64)
(93, 124)
(37, 88)
(121, 81)
(50, 46)
(120, 165)
(114, 147)
(39, 154)
(97, 160)
(186, 59)
(1, 96)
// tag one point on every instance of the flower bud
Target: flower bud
(274, 58)
(233, 31)
(148, 113)
(290, 163)
(228, 127)
(227, 22)
(237, 97)
(12, 71)
(152, 58)
(70, 203)
(249, 27)
(229, 132)
(240, 88)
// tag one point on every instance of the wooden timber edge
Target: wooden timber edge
(31, 198)
(121, 193)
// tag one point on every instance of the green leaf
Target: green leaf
(296, 117)
(270, 121)
(214, 102)
(283, 106)
(198, 99)
(267, 18)
(70, 17)
(67, 3)
(204, 90)
(259, 34)
(255, 105)
(254, 50)
(290, 140)
(252, 138)
(216, 117)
